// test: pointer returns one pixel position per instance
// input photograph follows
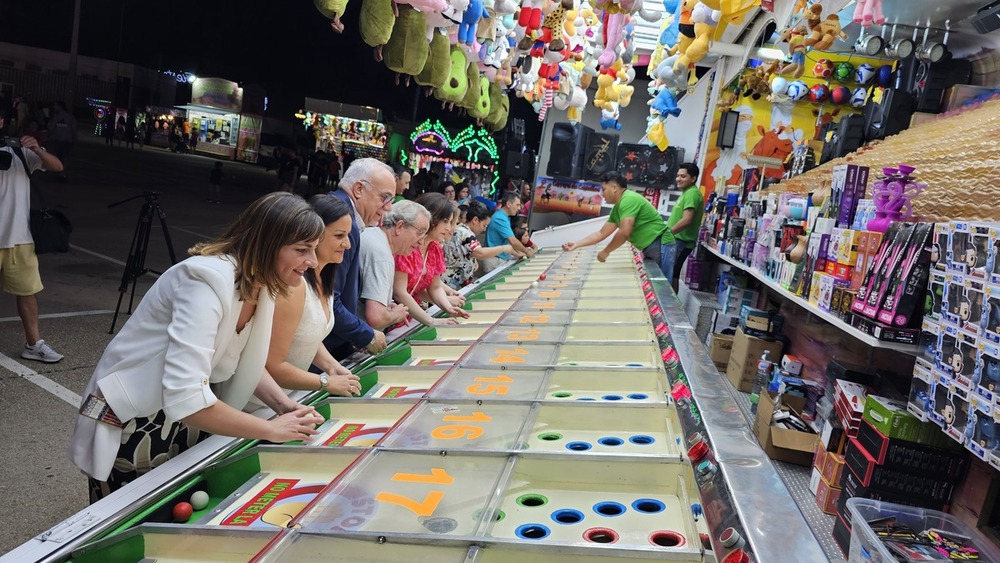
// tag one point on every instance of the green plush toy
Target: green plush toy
(471, 97)
(407, 49)
(499, 108)
(332, 9)
(376, 21)
(438, 63)
(481, 108)
(457, 84)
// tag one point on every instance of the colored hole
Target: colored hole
(531, 531)
(609, 508)
(638, 396)
(562, 395)
(531, 500)
(567, 516)
(666, 538)
(601, 535)
(641, 440)
(586, 399)
(550, 436)
(569, 363)
(578, 446)
(633, 365)
(648, 505)
(611, 441)
(612, 397)
(440, 524)
(498, 515)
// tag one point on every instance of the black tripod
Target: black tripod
(135, 265)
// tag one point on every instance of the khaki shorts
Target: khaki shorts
(19, 270)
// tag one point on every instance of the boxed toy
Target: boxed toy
(968, 248)
(993, 256)
(875, 284)
(970, 310)
(930, 337)
(891, 418)
(934, 303)
(956, 414)
(983, 431)
(940, 403)
(907, 286)
(954, 295)
(988, 385)
(989, 320)
(920, 393)
(959, 355)
(939, 250)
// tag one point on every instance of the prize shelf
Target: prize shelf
(825, 315)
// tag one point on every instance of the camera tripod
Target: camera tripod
(135, 265)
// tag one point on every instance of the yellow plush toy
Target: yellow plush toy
(332, 9)
(407, 49)
(457, 84)
(438, 64)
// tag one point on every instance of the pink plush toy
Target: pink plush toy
(868, 12)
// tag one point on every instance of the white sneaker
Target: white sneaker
(41, 352)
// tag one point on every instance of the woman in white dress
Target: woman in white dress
(304, 317)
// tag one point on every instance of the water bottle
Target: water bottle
(762, 379)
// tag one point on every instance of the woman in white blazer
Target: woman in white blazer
(193, 352)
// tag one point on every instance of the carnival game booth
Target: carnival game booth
(344, 129)
(470, 153)
(214, 115)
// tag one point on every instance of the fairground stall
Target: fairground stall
(346, 130)
(471, 154)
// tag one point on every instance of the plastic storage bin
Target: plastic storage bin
(867, 547)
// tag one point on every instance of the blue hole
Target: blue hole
(638, 396)
(532, 532)
(567, 516)
(586, 399)
(633, 365)
(641, 440)
(612, 397)
(611, 441)
(609, 508)
(648, 506)
(578, 446)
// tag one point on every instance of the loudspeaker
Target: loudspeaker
(600, 155)
(649, 167)
(848, 137)
(727, 129)
(987, 19)
(519, 165)
(928, 81)
(889, 116)
(566, 150)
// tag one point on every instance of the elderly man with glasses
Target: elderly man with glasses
(402, 230)
(368, 186)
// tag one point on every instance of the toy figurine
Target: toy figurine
(892, 194)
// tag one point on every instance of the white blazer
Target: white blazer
(162, 359)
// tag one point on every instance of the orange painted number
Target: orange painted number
(477, 416)
(530, 334)
(541, 318)
(438, 476)
(456, 431)
(425, 507)
(509, 356)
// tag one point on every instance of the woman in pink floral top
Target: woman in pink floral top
(418, 276)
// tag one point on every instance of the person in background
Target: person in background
(304, 316)
(448, 190)
(402, 231)
(522, 233)
(500, 233)
(192, 353)
(418, 275)
(632, 219)
(463, 249)
(463, 195)
(684, 222)
(368, 186)
(215, 183)
(403, 178)
(525, 198)
(62, 133)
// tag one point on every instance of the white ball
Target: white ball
(858, 97)
(797, 90)
(534, 284)
(864, 73)
(199, 500)
(779, 85)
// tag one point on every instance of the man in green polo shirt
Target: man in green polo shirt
(632, 219)
(684, 222)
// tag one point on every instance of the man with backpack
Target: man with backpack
(18, 261)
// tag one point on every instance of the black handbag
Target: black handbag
(50, 229)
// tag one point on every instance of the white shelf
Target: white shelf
(825, 315)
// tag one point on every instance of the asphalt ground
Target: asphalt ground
(38, 402)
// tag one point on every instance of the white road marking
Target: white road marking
(199, 235)
(40, 380)
(92, 253)
(61, 315)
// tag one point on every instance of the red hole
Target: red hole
(666, 538)
(601, 535)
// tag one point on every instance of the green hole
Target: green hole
(497, 515)
(550, 436)
(532, 500)
(562, 394)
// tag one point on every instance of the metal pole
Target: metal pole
(71, 78)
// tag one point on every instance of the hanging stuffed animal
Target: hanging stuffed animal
(868, 12)
(825, 34)
(375, 23)
(438, 63)
(609, 117)
(333, 10)
(407, 49)
(447, 19)
(796, 49)
(470, 22)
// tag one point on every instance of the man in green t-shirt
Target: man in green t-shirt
(632, 219)
(684, 222)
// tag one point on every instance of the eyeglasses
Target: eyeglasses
(385, 198)
(420, 233)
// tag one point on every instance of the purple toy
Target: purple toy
(892, 194)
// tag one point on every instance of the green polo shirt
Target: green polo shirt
(649, 226)
(690, 199)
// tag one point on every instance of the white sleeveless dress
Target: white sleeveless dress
(312, 329)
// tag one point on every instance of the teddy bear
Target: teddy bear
(824, 34)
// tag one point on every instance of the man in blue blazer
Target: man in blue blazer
(369, 187)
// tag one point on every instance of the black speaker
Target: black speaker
(727, 129)
(519, 165)
(848, 137)
(566, 150)
(927, 82)
(600, 155)
(649, 167)
(888, 116)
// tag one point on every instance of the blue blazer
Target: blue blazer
(349, 328)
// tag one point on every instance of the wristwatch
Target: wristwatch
(374, 339)
(324, 380)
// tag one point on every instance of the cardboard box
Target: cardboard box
(719, 349)
(832, 468)
(958, 94)
(847, 250)
(882, 478)
(892, 419)
(930, 461)
(755, 319)
(746, 351)
(783, 444)
(842, 533)
(827, 496)
(814, 481)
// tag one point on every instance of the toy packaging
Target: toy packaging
(989, 372)
(941, 389)
(989, 321)
(954, 296)
(930, 337)
(970, 311)
(968, 248)
(934, 301)
(939, 252)
(959, 356)
(919, 401)
(982, 433)
(956, 414)
(864, 213)
(907, 286)
(849, 184)
(869, 296)
(993, 257)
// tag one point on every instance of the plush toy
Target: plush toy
(656, 133)
(407, 50)
(470, 22)
(796, 49)
(472, 93)
(376, 22)
(457, 85)
(813, 16)
(447, 19)
(481, 106)
(609, 117)
(605, 91)
(868, 12)
(332, 9)
(613, 33)
(825, 34)
(438, 64)
(499, 109)
(665, 73)
(665, 103)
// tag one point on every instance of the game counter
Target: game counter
(573, 416)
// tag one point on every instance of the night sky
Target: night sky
(286, 46)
